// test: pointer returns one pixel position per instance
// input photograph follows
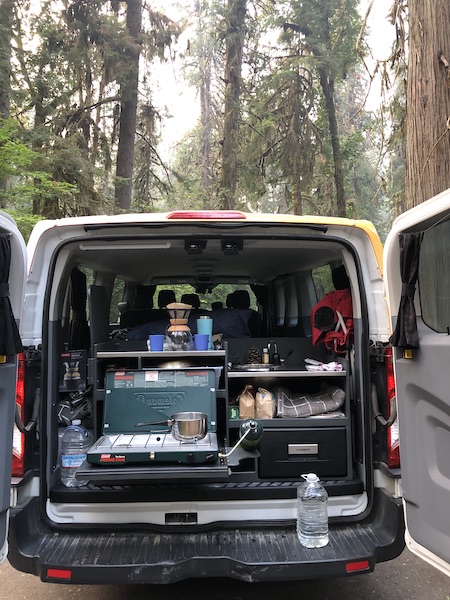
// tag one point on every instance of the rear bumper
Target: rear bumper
(252, 554)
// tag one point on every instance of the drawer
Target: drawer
(290, 453)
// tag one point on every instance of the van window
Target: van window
(434, 277)
(323, 280)
(280, 300)
(116, 297)
(215, 298)
(292, 302)
(90, 276)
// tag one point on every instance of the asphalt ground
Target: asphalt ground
(406, 577)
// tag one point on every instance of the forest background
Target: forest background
(282, 93)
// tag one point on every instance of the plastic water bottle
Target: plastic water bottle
(312, 513)
(75, 442)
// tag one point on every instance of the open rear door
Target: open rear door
(417, 276)
(12, 280)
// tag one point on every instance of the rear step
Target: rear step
(244, 553)
(173, 492)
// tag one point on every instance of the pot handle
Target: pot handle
(167, 422)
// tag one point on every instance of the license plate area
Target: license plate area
(181, 518)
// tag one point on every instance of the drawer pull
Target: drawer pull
(295, 449)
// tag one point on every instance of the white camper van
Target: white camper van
(153, 504)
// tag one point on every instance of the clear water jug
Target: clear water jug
(75, 442)
(312, 513)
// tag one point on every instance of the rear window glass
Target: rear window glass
(116, 298)
(216, 298)
(323, 280)
(434, 277)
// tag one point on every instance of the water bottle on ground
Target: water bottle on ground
(312, 513)
(75, 442)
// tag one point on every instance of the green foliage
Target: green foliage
(65, 98)
(328, 29)
(67, 88)
(278, 151)
(14, 155)
(323, 281)
(188, 190)
(24, 221)
(152, 181)
(22, 174)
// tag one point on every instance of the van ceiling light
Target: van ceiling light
(125, 245)
(194, 246)
(232, 246)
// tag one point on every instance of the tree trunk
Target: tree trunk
(428, 102)
(233, 68)
(128, 111)
(205, 119)
(327, 85)
(6, 19)
(296, 166)
(40, 113)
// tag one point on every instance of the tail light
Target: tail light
(18, 437)
(393, 442)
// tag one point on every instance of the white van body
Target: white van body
(169, 518)
(422, 388)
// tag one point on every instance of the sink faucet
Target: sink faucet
(274, 357)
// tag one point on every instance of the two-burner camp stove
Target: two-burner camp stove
(155, 447)
(139, 406)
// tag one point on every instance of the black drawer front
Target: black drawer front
(292, 453)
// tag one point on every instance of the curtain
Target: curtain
(405, 334)
(79, 330)
(262, 296)
(10, 342)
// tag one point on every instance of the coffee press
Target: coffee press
(178, 334)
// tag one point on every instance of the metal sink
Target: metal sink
(257, 367)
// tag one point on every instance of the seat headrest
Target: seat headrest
(229, 300)
(144, 296)
(192, 299)
(165, 297)
(238, 299)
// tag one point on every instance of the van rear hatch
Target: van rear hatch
(162, 522)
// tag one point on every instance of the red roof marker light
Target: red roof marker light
(215, 215)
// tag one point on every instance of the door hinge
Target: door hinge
(32, 355)
(378, 350)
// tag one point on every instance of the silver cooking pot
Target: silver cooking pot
(184, 426)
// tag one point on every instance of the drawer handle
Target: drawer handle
(296, 449)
